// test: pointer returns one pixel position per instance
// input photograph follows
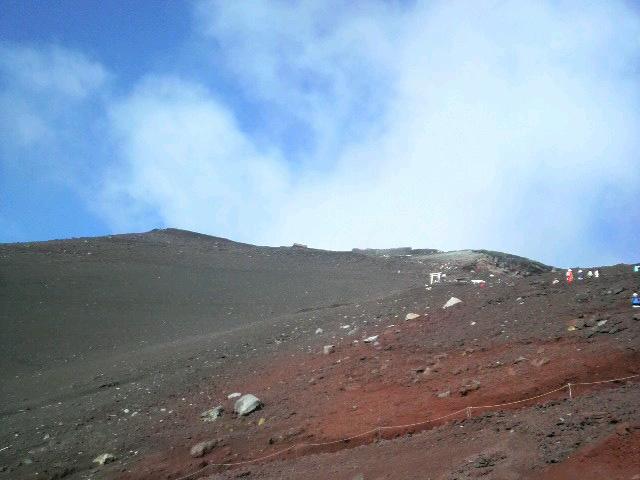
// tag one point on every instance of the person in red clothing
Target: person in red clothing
(569, 276)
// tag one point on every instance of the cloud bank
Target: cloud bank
(503, 125)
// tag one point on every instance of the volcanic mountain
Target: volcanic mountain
(116, 345)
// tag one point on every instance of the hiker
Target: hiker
(596, 274)
(589, 274)
(636, 268)
(580, 277)
(569, 276)
(635, 301)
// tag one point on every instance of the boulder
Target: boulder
(202, 448)
(451, 302)
(247, 404)
(319, 331)
(371, 339)
(104, 459)
(411, 316)
(469, 387)
(212, 414)
(328, 349)
(590, 322)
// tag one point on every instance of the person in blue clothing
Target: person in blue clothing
(635, 300)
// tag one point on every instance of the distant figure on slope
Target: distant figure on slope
(589, 274)
(569, 276)
(596, 274)
(635, 301)
(580, 277)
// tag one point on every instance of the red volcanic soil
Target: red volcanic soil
(314, 399)
(154, 329)
(617, 457)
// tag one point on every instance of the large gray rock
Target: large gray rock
(202, 448)
(247, 404)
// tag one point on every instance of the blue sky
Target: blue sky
(511, 126)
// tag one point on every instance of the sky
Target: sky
(504, 125)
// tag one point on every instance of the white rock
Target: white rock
(247, 404)
(411, 316)
(451, 302)
(104, 458)
(371, 339)
(319, 331)
(327, 349)
(234, 395)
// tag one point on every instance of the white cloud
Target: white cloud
(317, 66)
(51, 69)
(43, 94)
(184, 159)
(449, 124)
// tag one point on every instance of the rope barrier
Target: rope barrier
(519, 401)
(380, 428)
(607, 381)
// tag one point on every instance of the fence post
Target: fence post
(570, 392)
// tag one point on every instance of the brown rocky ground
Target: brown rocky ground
(120, 351)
